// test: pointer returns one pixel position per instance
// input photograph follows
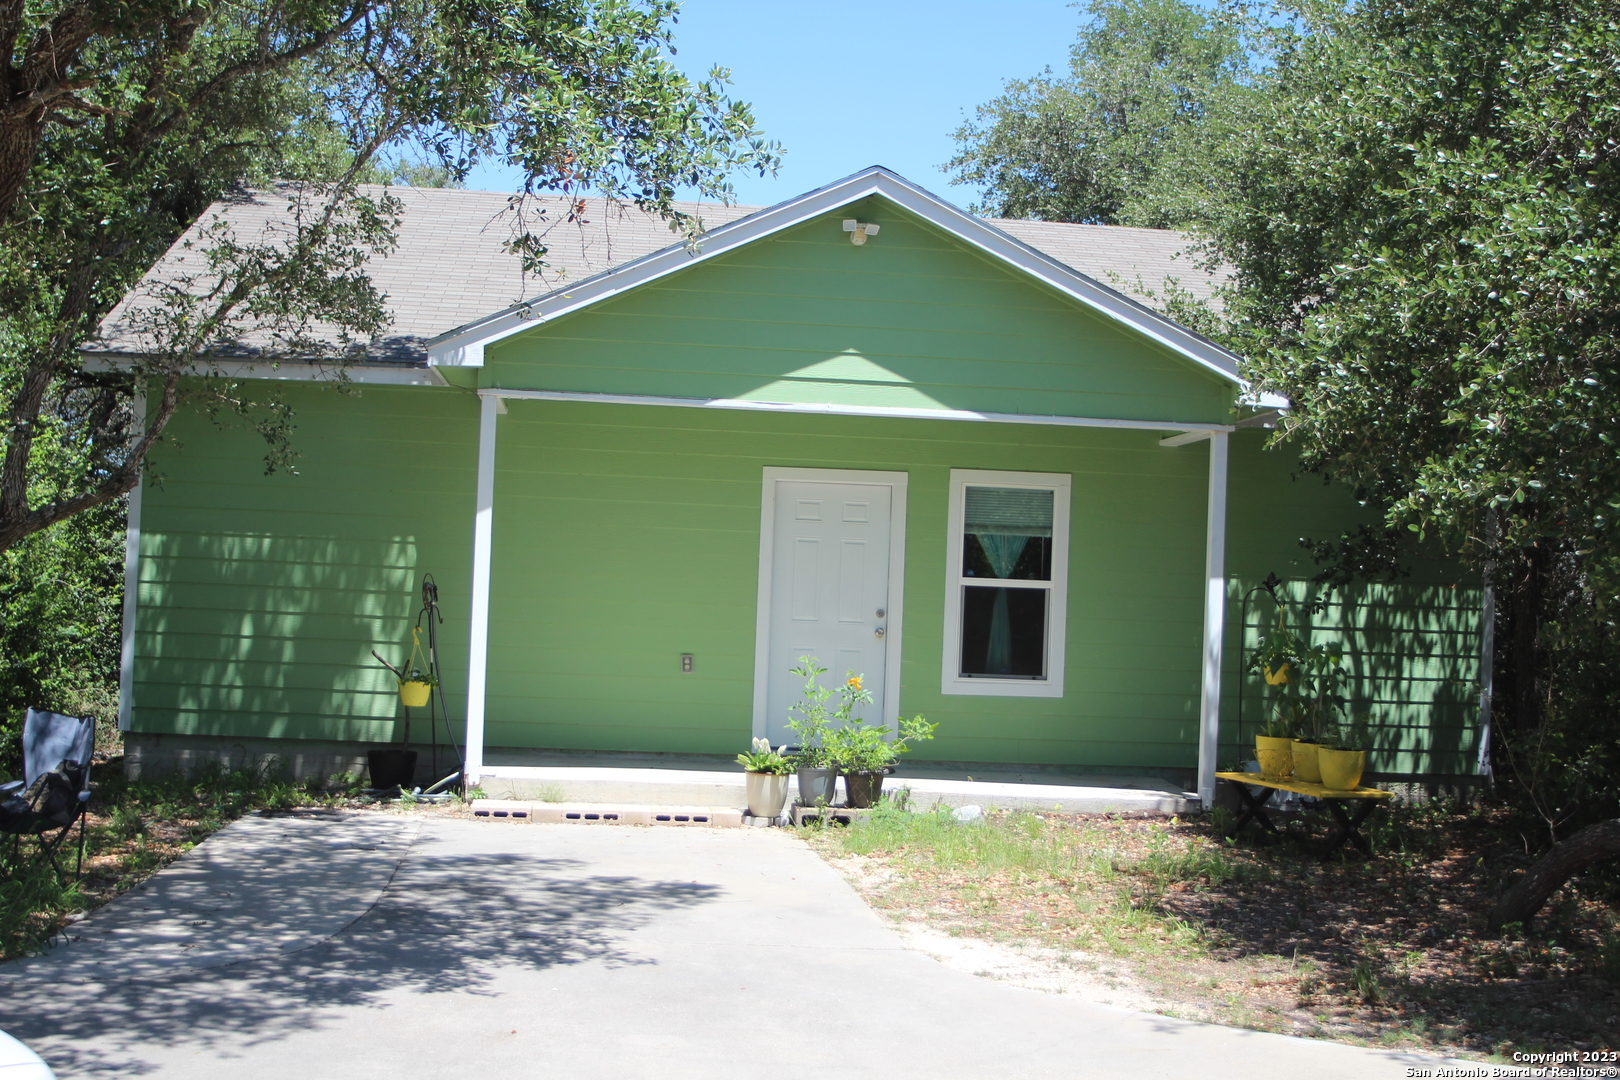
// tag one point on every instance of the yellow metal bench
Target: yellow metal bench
(1348, 825)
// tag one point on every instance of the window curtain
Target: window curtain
(1003, 550)
(1005, 520)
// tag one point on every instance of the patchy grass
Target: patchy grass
(134, 829)
(1388, 952)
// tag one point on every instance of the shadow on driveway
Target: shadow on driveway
(446, 924)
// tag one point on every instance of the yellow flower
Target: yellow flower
(854, 682)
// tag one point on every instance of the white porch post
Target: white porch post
(132, 578)
(478, 648)
(1209, 720)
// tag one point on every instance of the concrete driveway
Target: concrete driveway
(375, 946)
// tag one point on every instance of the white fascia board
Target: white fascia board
(882, 411)
(464, 345)
(289, 371)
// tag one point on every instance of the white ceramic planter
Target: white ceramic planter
(767, 794)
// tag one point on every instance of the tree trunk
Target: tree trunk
(1527, 616)
(19, 143)
(1565, 860)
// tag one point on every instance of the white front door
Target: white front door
(828, 590)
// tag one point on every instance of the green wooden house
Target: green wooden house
(957, 456)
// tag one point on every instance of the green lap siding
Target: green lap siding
(625, 536)
(912, 319)
(1411, 646)
(260, 597)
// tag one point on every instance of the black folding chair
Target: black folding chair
(51, 796)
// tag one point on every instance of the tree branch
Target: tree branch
(1547, 876)
(228, 75)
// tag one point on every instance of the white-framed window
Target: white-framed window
(1006, 583)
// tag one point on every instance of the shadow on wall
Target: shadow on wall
(1411, 667)
(271, 635)
(451, 932)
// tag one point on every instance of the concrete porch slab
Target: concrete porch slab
(648, 786)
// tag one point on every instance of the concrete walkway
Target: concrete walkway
(338, 946)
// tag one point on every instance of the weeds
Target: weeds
(1364, 977)
(1609, 955)
(1388, 949)
(1030, 876)
(33, 902)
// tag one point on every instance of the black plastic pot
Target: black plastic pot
(864, 788)
(391, 768)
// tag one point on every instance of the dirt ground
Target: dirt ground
(1160, 914)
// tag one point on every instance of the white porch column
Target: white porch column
(132, 578)
(1209, 718)
(478, 638)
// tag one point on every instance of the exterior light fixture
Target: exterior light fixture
(859, 230)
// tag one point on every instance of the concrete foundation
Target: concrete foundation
(544, 777)
(148, 756)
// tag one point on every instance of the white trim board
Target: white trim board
(132, 578)
(1209, 711)
(896, 483)
(478, 631)
(464, 346)
(886, 411)
(1057, 613)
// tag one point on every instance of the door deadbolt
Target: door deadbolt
(880, 613)
(878, 632)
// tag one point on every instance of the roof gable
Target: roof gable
(465, 345)
(914, 320)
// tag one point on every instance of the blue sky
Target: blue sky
(843, 84)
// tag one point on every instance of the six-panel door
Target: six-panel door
(829, 591)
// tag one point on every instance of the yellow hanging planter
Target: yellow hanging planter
(415, 692)
(1278, 677)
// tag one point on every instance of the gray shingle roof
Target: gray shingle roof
(450, 266)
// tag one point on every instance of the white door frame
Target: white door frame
(896, 482)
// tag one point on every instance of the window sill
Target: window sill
(1040, 688)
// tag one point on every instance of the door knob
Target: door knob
(878, 632)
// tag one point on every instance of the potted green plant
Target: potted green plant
(1316, 701)
(1303, 680)
(1342, 756)
(767, 778)
(1274, 747)
(867, 754)
(416, 686)
(818, 772)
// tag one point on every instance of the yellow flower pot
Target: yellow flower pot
(1306, 767)
(1276, 757)
(1341, 769)
(413, 695)
(1278, 677)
